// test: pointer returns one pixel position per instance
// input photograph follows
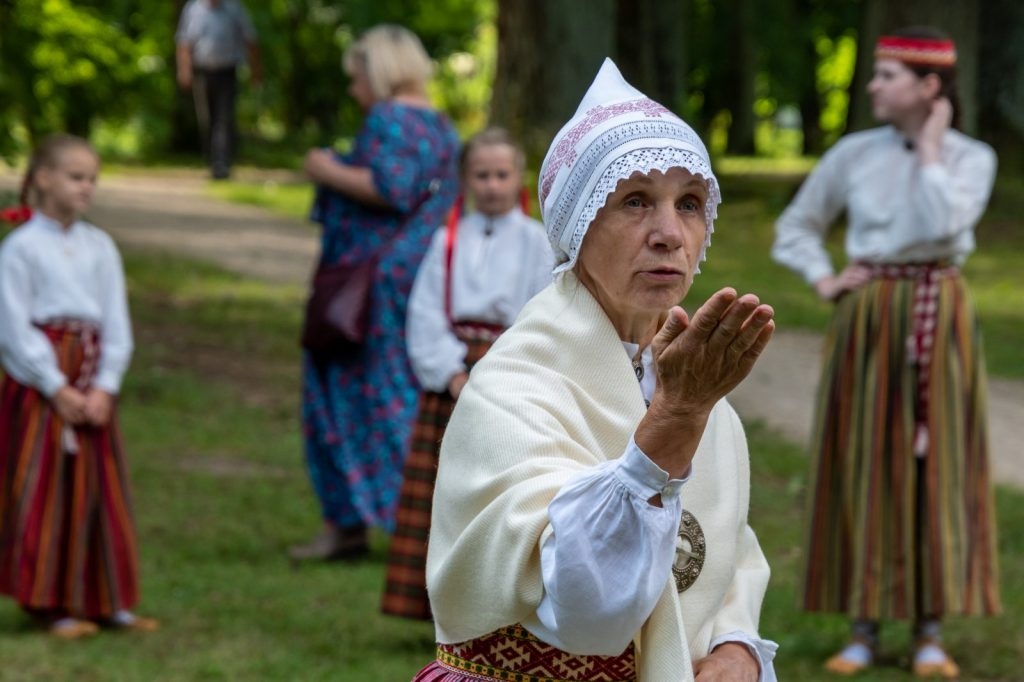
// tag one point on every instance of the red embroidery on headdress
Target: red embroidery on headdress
(920, 51)
(565, 151)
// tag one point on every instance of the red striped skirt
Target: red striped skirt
(405, 586)
(67, 539)
(901, 525)
(515, 655)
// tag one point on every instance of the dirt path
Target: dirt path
(171, 211)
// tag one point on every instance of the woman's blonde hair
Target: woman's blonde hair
(393, 59)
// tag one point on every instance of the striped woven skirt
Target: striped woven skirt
(513, 654)
(67, 539)
(901, 520)
(405, 586)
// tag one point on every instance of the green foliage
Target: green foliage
(105, 68)
(63, 64)
(834, 73)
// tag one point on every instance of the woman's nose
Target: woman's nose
(666, 227)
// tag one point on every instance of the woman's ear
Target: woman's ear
(932, 85)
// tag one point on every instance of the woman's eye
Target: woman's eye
(633, 202)
(689, 204)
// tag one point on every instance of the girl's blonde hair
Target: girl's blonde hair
(47, 155)
(393, 59)
(493, 136)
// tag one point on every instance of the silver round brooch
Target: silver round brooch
(691, 549)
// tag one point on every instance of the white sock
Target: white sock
(65, 622)
(930, 654)
(857, 652)
(123, 617)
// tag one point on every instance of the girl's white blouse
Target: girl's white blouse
(49, 273)
(498, 264)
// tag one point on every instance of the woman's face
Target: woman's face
(493, 179)
(897, 93)
(640, 253)
(359, 88)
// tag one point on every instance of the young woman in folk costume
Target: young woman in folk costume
(901, 512)
(68, 550)
(479, 272)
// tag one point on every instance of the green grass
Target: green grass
(210, 420)
(288, 199)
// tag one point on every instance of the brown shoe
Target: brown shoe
(332, 543)
(128, 621)
(73, 628)
(945, 669)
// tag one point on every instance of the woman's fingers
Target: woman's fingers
(675, 324)
(708, 317)
(753, 326)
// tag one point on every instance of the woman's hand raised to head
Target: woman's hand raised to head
(701, 360)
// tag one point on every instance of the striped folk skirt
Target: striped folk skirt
(901, 520)
(405, 586)
(67, 538)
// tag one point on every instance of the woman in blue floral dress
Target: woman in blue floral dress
(385, 197)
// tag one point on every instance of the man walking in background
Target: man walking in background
(214, 38)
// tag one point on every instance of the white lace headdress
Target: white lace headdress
(615, 132)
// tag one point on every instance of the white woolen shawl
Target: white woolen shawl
(554, 397)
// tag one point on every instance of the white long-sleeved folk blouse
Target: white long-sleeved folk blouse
(498, 264)
(898, 210)
(49, 273)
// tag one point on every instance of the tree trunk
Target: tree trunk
(741, 73)
(1001, 79)
(548, 52)
(651, 50)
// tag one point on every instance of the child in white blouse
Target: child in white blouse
(479, 272)
(67, 537)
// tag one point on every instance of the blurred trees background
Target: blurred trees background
(776, 79)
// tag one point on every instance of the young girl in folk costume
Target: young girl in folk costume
(478, 273)
(901, 513)
(67, 540)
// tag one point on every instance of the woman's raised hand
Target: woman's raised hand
(701, 359)
(929, 140)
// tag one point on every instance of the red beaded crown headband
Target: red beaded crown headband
(917, 51)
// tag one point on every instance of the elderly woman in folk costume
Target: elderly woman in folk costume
(591, 503)
(901, 519)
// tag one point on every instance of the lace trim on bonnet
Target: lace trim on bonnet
(645, 161)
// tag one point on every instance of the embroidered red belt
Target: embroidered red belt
(921, 340)
(88, 332)
(514, 655)
(470, 330)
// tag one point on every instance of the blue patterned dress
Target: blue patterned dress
(357, 414)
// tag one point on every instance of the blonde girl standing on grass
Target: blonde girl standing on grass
(68, 551)
(479, 271)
